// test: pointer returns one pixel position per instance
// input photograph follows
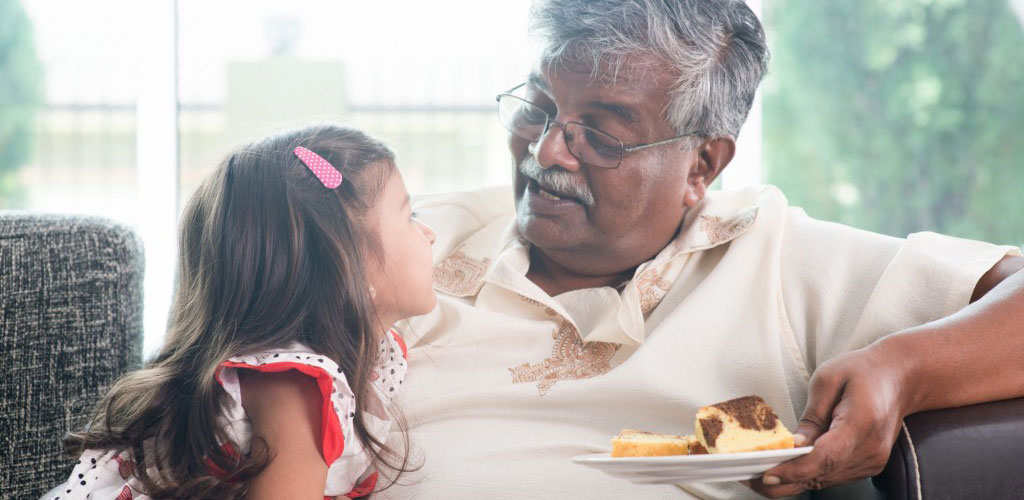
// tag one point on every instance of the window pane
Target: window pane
(67, 108)
(422, 76)
(899, 116)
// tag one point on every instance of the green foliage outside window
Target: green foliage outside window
(20, 95)
(899, 116)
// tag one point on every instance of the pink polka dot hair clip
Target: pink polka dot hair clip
(321, 168)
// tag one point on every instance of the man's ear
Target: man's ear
(712, 157)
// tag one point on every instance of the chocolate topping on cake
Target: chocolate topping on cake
(751, 412)
(695, 448)
(711, 428)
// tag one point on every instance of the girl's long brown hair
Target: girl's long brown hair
(268, 256)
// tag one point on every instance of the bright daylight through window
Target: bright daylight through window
(894, 117)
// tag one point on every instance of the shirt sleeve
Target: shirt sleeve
(844, 288)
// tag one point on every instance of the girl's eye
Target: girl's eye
(414, 216)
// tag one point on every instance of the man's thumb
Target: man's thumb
(821, 400)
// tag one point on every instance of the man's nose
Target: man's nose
(551, 149)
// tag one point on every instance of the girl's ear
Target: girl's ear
(712, 157)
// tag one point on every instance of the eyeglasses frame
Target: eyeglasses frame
(623, 149)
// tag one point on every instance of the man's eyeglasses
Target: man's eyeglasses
(589, 145)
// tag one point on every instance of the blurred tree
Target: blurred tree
(899, 116)
(20, 95)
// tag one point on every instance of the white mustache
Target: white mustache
(558, 179)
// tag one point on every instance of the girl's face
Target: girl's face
(402, 284)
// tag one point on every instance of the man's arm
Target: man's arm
(857, 401)
(974, 355)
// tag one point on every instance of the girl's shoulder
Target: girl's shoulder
(298, 359)
(298, 374)
(295, 358)
(302, 359)
(294, 373)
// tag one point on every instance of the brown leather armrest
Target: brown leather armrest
(959, 453)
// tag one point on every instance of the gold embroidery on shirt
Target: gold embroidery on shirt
(719, 230)
(571, 359)
(547, 309)
(652, 288)
(459, 274)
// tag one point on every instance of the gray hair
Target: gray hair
(715, 50)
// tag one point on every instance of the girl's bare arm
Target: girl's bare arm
(285, 412)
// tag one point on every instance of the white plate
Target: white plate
(691, 468)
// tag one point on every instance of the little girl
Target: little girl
(297, 254)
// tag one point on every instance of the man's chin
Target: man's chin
(546, 233)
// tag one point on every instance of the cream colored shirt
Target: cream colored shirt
(506, 384)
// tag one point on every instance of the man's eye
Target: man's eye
(532, 115)
(603, 143)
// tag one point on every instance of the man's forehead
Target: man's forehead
(624, 90)
(613, 71)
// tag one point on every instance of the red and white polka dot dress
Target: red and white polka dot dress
(102, 474)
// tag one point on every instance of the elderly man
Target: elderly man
(622, 294)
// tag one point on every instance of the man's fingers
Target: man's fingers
(775, 491)
(808, 471)
(825, 392)
(850, 421)
(805, 434)
(816, 469)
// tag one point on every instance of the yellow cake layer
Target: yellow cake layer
(721, 431)
(634, 443)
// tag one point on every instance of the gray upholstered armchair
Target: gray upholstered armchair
(70, 324)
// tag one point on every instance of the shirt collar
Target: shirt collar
(497, 253)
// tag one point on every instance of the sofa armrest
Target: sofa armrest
(970, 452)
(70, 324)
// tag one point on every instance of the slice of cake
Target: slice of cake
(741, 424)
(693, 445)
(633, 443)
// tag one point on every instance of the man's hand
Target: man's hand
(857, 401)
(853, 417)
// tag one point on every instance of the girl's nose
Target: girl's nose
(428, 232)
